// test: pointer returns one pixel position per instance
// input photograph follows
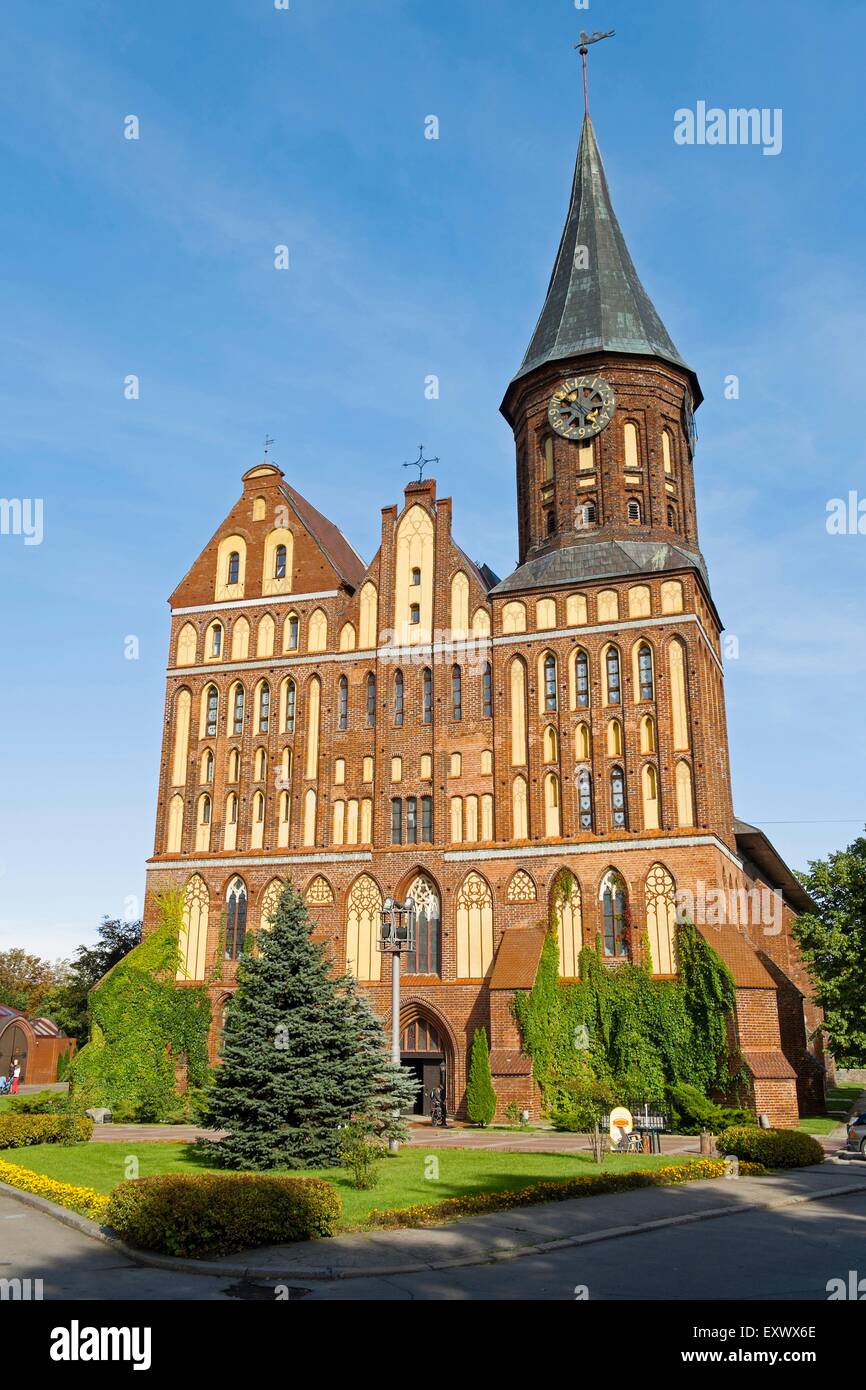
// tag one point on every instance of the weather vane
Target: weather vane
(583, 49)
(420, 463)
(268, 442)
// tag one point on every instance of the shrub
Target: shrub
(585, 1099)
(17, 1131)
(694, 1112)
(360, 1151)
(480, 1095)
(774, 1148)
(218, 1213)
(42, 1103)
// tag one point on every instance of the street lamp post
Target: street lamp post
(396, 935)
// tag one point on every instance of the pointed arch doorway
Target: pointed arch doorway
(426, 1051)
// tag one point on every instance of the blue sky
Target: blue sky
(408, 257)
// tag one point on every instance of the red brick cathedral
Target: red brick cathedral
(417, 727)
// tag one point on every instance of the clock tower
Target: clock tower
(602, 407)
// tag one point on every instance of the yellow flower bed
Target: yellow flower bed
(81, 1199)
(560, 1190)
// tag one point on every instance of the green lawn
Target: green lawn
(403, 1180)
(839, 1102)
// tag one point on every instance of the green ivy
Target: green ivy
(143, 1025)
(621, 1025)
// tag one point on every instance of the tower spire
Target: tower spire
(595, 300)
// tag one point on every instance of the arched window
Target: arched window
(685, 794)
(310, 807)
(582, 745)
(634, 510)
(291, 706)
(614, 906)
(280, 562)
(216, 641)
(265, 636)
(343, 703)
(514, 617)
(647, 734)
(317, 633)
(212, 711)
(551, 522)
(427, 688)
(203, 823)
(258, 822)
(207, 766)
(369, 616)
(456, 693)
(291, 633)
(632, 457)
(240, 639)
(474, 928)
(236, 918)
(518, 712)
(271, 902)
(550, 681)
(264, 708)
(193, 932)
(371, 700)
(238, 711)
(396, 821)
(186, 645)
(589, 514)
(415, 576)
(667, 451)
(338, 827)
(414, 614)
(581, 679)
(261, 765)
(426, 958)
(614, 739)
(521, 888)
(550, 744)
(672, 518)
(487, 691)
(645, 672)
(230, 832)
(617, 798)
(649, 784)
(459, 606)
(661, 920)
(411, 820)
(234, 765)
(174, 834)
(608, 606)
(551, 806)
(639, 601)
(427, 820)
(182, 714)
(456, 820)
(234, 568)
(519, 810)
(584, 798)
(569, 925)
(398, 700)
(363, 959)
(614, 692)
(548, 459)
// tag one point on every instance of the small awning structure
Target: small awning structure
(516, 964)
(768, 1064)
(504, 1062)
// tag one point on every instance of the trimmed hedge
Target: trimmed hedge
(774, 1148)
(81, 1199)
(218, 1213)
(562, 1190)
(16, 1131)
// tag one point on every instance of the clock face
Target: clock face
(581, 407)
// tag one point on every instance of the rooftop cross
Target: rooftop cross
(583, 49)
(420, 463)
(268, 442)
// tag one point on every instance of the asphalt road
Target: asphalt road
(788, 1254)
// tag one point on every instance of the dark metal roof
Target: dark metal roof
(575, 564)
(754, 845)
(603, 306)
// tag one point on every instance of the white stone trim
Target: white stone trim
(617, 847)
(270, 862)
(629, 624)
(219, 605)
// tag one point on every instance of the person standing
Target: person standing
(16, 1076)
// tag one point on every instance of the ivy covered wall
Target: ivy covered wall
(145, 1028)
(623, 1026)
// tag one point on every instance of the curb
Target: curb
(326, 1273)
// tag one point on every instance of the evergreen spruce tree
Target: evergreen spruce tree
(480, 1095)
(396, 1086)
(298, 1060)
